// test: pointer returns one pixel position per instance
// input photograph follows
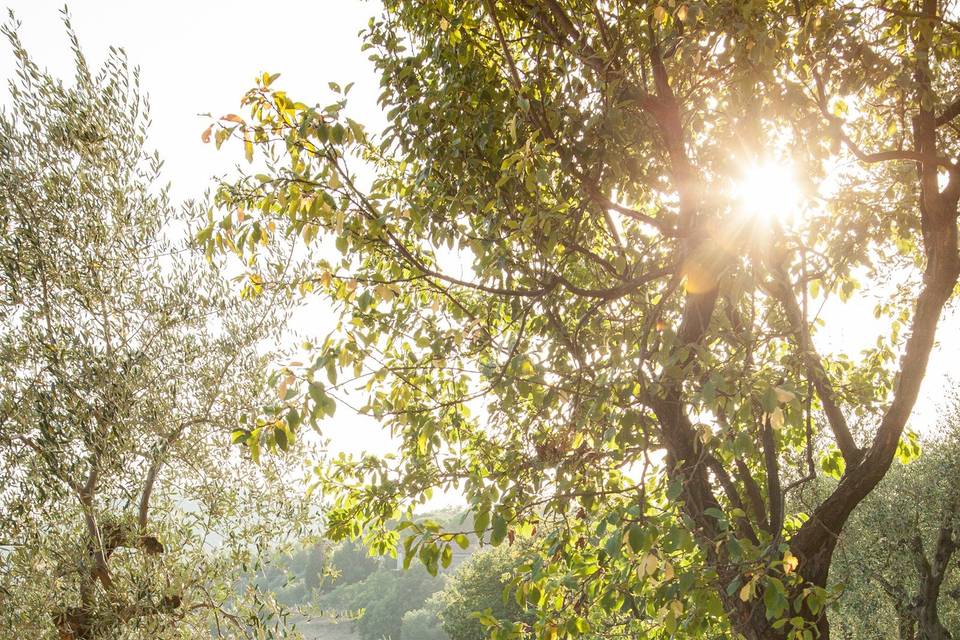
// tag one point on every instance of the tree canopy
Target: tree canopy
(555, 294)
(125, 363)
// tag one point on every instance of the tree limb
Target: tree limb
(784, 293)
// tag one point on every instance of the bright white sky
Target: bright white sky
(201, 56)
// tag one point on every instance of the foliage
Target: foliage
(295, 575)
(558, 302)
(384, 597)
(897, 561)
(423, 624)
(314, 564)
(299, 574)
(352, 563)
(125, 362)
(482, 585)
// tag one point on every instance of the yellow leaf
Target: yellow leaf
(677, 607)
(746, 591)
(790, 562)
(668, 572)
(383, 292)
(649, 564)
(232, 117)
(660, 13)
(205, 136)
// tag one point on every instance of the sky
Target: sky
(201, 56)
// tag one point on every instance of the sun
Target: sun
(768, 191)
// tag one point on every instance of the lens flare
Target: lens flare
(769, 191)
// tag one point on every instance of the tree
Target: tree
(383, 599)
(352, 563)
(898, 554)
(560, 303)
(125, 362)
(482, 585)
(422, 624)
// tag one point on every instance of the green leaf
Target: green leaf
(908, 448)
(499, 530)
(774, 598)
(293, 419)
(480, 522)
(635, 536)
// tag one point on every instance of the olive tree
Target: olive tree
(897, 559)
(125, 362)
(559, 289)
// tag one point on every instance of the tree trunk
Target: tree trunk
(750, 619)
(930, 626)
(906, 626)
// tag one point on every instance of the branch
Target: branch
(100, 570)
(783, 292)
(666, 227)
(619, 291)
(500, 291)
(946, 543)
(923, 155)
(753, 492)
(895, 591)
(158, 459)
(897, 154)
(511, 65)
(949, 113)
(167, 604)
(938, 213)
(730, 490)
(774, 492)
(920, 558)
